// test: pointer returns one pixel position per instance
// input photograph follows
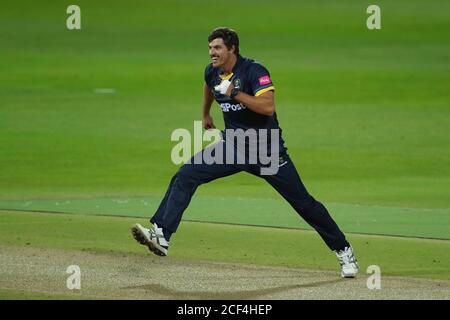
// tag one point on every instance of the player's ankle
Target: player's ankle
(343, 247)
(167, 234)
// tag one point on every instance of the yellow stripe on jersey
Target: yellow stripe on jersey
(260, 92)
(227, 77)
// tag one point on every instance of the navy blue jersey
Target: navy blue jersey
(252, 78)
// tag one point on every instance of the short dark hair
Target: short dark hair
(229, 37)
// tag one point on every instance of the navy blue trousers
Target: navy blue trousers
(286, 181)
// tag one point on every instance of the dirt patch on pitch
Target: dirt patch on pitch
(118, 276)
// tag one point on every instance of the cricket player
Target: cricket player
(245, 91)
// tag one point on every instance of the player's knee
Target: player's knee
(306, 204)
(186, 176)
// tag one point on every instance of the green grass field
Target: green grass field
(365, 116)
(289, 248)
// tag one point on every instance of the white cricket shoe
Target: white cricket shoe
(347, 260)
(152, 238)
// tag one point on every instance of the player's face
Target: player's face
(219, 52)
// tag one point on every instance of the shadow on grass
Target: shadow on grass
(226, 295)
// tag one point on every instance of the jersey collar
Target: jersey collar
(235, 67)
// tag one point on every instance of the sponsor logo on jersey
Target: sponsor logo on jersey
(264, 80)
(227, 107)
(237, 83)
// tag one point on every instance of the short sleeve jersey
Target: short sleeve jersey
(252, 78)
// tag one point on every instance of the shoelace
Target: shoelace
(346, 258)
(155, 234)
(158, 236)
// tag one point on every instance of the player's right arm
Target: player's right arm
(208, 99)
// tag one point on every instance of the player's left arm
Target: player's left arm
(263, 103)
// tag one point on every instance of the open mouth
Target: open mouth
(214, 59)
